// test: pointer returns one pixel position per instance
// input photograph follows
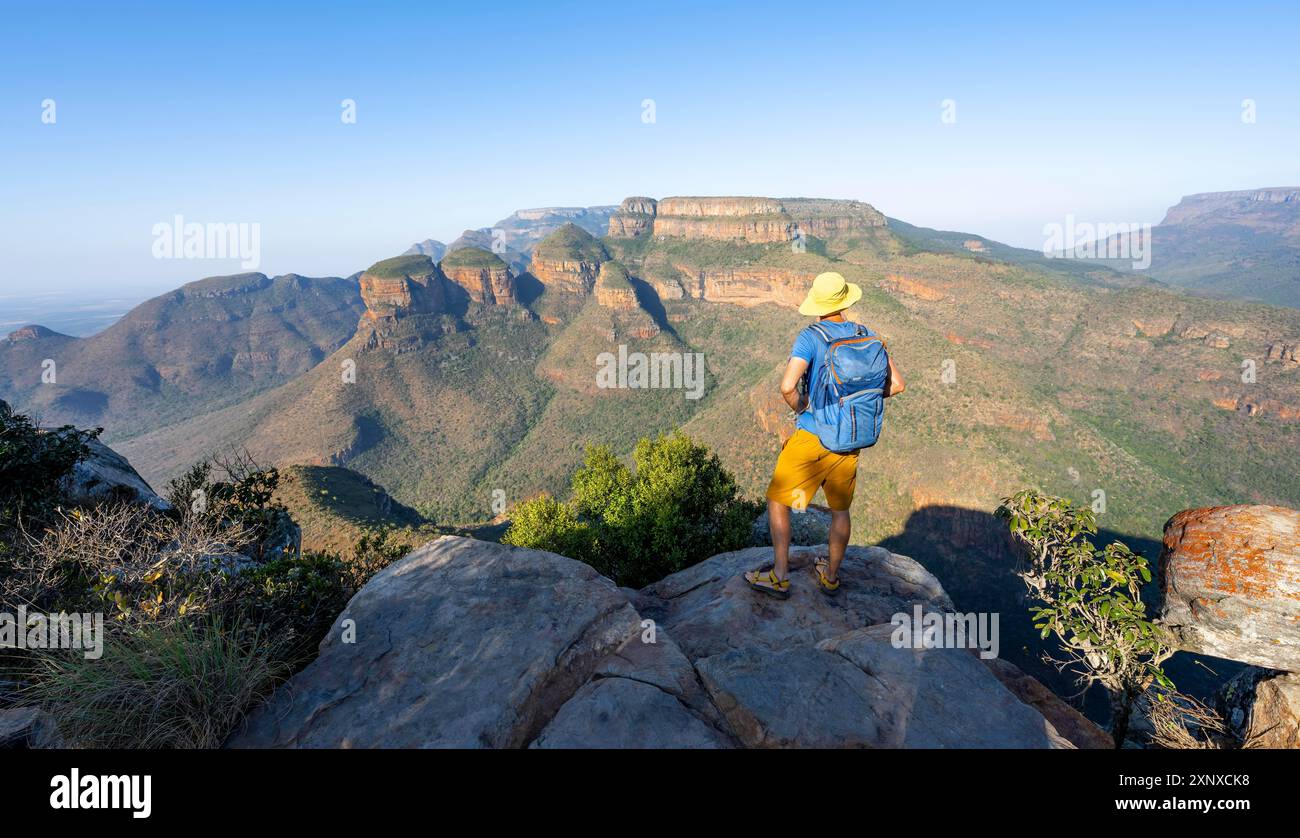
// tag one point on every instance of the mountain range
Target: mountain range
(462, 383)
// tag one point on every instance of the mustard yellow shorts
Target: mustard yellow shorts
(805, 466)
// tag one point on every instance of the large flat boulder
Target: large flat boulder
(858, 690)
(708, 609)
(462, 643)
(1231, 582)
(467, 643)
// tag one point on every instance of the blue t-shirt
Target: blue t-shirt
(812, 348)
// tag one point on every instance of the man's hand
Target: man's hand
(790, 384)
(895, 384)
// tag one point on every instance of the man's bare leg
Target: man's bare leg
(841, 528)
(778, 523)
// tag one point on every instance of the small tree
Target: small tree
(1091, 600)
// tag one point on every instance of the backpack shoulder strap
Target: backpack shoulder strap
(821, 331)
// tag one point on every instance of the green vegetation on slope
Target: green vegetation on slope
(571, 242)
(414, 264)
(471, 257)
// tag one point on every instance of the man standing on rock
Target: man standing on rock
(848, 374)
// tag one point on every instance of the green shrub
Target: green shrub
(1090, 600)
(545, 523)
(677, 508)
(32, 462)
(177, 685)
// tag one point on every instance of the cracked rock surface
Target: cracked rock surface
(467, 643)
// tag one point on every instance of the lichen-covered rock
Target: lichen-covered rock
(1231, 581)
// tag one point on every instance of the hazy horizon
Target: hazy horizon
(236, 116)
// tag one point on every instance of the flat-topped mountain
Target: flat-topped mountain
(568, 260)
(483, 275)
(453, 395)
(1243, 244)
(750, 219)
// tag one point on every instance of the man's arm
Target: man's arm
(895, 385)
(790, 384)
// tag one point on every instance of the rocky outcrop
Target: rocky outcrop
(745, 286)
(568, 261)
(859, 690)
(1256, 406)
(105, 475)
(1239, 206)
(1231, 582)
(33, 332)
(402, 286)
(756, 220)
(747, 219)
(634, 217)
(913, 288)
(614, 288)
(472, 644)
(483, 275)
(1261, 708)
(1281, 353)
(709, 609)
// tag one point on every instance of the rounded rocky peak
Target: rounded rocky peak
(639, 205)
(571, 243)
(32, 332)
(472, 257)
(399, 267)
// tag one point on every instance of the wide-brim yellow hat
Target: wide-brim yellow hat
(829, 293)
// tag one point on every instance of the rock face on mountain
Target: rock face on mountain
(432, 248)
(472, 644)
(402, 286)
(757, 220)
(634, 217)
(481, 273)
(614, 289)
(1243, 244)
(568, 260)
(749, 219)
(1230, 576)
(1244, 204)
(749, 286)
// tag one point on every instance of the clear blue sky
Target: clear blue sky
(469, 111)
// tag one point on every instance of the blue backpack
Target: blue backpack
(848, 398)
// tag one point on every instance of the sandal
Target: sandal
(825, 585)
(765, 582)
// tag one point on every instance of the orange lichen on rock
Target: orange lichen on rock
(1231, 579)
